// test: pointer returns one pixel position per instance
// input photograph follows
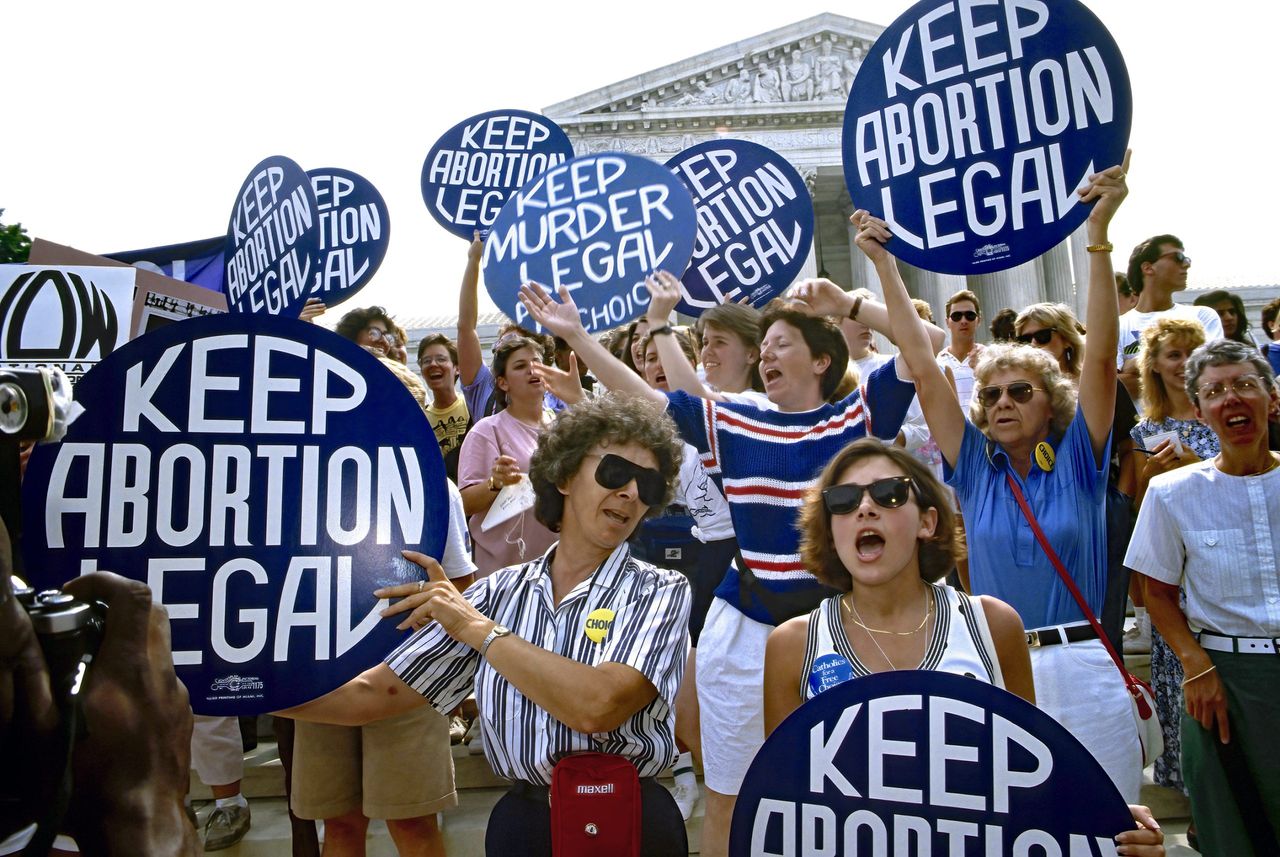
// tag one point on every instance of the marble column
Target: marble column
(1017, 287)
(1057, 276)
(1080, 268)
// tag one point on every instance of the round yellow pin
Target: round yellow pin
(598, 623)
(1044, 456)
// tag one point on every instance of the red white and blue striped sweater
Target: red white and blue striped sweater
(766, 459)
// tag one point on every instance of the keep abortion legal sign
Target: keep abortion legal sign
(261, 475)
(273, 241)
(355, 230)
(971, 125)
(910, 763)
(475, 166)
(596, 225)
(755, 223)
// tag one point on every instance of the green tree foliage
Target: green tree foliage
(15, 244)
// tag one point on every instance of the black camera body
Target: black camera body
(70, 632)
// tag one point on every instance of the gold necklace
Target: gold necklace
(857, 620)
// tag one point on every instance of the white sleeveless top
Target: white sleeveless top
(960, 643)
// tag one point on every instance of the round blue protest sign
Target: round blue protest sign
(354, 232)
(970, 127)
(475, 167)
(597, 225)
(273, 241)
(952, 764)
(755, 223)
(261, 475)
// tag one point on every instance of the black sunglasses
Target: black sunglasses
(888, 493)
(1178, 256)
(1039, 337)
(967, 315)
(1020, 391)
(614, 471)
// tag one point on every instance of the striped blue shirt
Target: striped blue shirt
(767, 460)
(649, 632)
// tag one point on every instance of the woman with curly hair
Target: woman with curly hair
(1034, 433)
(544, 688)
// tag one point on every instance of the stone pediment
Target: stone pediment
(801, 72)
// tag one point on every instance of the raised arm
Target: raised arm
(826, 298)
(910, 333)
(1106, 190)
(562, 319)
(470, 357)
(664, 294)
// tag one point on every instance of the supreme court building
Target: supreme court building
(786, 89)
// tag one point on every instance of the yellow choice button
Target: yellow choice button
(599, 621)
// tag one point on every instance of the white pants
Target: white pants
(730, 681)
(1079, 686)
(217, 752)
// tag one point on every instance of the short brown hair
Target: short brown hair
(821, 335)
(438, 339)
(938, 555)
(964, 295)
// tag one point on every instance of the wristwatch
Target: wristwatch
(498, 631)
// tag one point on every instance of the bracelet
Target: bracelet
(1187, 681)
(1105, 247)
(857, 305)
(658, 331)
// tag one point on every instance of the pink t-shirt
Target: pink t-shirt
(501, 546)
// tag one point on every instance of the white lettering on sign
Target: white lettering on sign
(266, 224)
(496, 156)
(807, 828)
(309, 579)
(922, 130)
(344, 227)
(739, 239)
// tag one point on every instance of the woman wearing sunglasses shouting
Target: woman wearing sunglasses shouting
(1033, 433)
(581, 649)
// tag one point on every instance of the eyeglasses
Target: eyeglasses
(1244, 386)
(1178, 256)
(967, 315)
(1020, 391)
(376, 334)
(439, 360)
(614, 471)
(1039, 337)
(888, 493)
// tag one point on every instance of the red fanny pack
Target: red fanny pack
(595, 807)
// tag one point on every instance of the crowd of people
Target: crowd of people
(735, 499)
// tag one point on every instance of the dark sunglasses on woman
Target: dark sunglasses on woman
(1020, 391)
(1039, 337)
(888, 493)
(614, 471)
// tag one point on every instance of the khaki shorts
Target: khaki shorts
(401, 767)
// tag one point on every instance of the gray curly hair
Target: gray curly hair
(579, 429)
(1001, 357)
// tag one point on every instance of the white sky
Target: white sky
(132, 124)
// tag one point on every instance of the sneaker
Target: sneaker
(457, 729)
(474, 739)
(1137, 640)
(226, 826)
(686, 795)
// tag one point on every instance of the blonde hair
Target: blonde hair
(922, 308)
(1163, 332)
(1059, 318)
(1001, 357)
(409, 379)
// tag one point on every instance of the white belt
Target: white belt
(1239, 645)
